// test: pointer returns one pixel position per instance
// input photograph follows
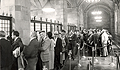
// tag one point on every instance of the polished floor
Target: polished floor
(101, 63)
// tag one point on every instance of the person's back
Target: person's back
(96, 37)
(6, 54)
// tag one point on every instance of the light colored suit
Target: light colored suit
(104, 43)
(51, 55)
(45, 50)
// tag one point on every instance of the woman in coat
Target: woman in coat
(51, 51)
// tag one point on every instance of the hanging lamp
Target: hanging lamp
(48, 7)
(92, 1)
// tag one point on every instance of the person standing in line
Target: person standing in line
(5, 52)
(51, 54)
(31, 52)
(39, 63)
(45, 50)
(95, 41)
(105, 38)
(74, 44)
(58, 50)
(17, 48)
(63, 33)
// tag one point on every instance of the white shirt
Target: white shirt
(32, 38)
(105, 37)
(15, 39)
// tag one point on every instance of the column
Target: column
(65, 15)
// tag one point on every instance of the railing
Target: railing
(37, 25)
(6, 24)
(117, 52)
(117, 39)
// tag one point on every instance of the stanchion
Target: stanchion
(112, 59)
(112, 63)
(96, 60)
(70, 59)
(79, 56)
(83, 51)
(92, 58)
(89, 66)
(117, 61)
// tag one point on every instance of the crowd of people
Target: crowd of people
(49, 51)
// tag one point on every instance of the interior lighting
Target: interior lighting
(48, 7)
(98, 20)
(96, 12)
(91, 1)
(98, 17)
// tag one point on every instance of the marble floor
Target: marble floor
(101, 63)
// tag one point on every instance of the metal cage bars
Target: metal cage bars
(45, 25)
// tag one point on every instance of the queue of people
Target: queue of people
(49, 51)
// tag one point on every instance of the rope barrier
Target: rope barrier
(93, 46)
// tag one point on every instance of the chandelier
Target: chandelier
(91, 1)
(98, 17)
(48, 7)
(98, 20)
(96, 12)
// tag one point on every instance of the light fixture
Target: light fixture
(48, 7)
(97, 17)
(91, 1)
(96, 12)
(98, 20)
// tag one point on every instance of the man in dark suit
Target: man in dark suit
(58, 50)
(17, 48)
(5, 52)
(31, 52)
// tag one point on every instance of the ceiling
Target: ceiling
(38, 4)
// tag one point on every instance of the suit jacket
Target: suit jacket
(58, 46)
(31, 51)
(18, 43)
(45, 49)
(5, 52)
(95, 38)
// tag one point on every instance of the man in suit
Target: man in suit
(5, 52)
(39, 63)
(17, 48)
(65, 38)
(31, 52)
(45, 49)
(58, 50)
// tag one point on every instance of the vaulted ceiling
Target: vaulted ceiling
(38, 4)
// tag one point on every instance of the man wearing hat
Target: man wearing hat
(5, 52)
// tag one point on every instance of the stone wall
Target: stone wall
(20, 10)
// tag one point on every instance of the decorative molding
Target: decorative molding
(68, 4)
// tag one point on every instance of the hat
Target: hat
(56, 33)
(2, 34)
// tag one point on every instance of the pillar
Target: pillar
(20, 10)
(65, 24)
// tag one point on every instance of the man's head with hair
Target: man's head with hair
(49, 34)
(2, 34)
(34, 34)
(15, 34)
(43, 34)
(63, 31)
